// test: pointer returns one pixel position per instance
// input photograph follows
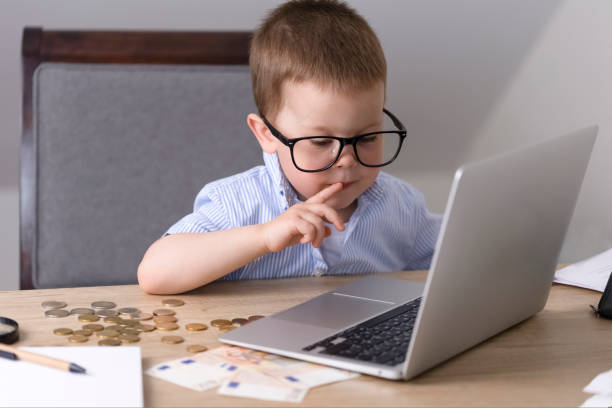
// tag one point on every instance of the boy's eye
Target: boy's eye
(368, 139)
(321, 142)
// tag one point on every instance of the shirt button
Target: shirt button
(318, 272)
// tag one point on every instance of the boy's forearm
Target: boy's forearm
(181, 262)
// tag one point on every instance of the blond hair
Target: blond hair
(323, 41)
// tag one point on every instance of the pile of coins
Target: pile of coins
(226, 325)
(126, 324)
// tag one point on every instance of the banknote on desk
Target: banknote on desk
(248, 373)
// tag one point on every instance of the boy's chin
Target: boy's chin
(341, 203)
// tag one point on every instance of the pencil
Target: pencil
(13, 353)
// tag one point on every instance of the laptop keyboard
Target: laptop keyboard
(383, 339)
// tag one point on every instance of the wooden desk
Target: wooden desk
(544, 361)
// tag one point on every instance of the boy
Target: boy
(320, 205)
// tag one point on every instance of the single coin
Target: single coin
(82, 311)
(239, 321)
(196, 326)
(165, 319)
(220, 323)
(113, 319)
(129, 338)
(62, 331)
(172, 339)
(127, 322)
(83, 332)
(141, 316)
(172, 302)
(131, 332)
(256, 317)
(115, 327)
(78, 339)
(145, 327)
(224, 329)
(167, 326)
(107, 312)
(95, 327)
(109, 342)
(56, 313)
(103, 304)
(52, 304)
(196, 348)
(88, 318)
(106, 334)
(128, 310)
(164, 312)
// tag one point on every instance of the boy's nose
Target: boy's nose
(347, 157)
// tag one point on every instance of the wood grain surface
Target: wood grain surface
(544, 361)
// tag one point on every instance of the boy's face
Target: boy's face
(309, 110)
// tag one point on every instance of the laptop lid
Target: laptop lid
(500, 240)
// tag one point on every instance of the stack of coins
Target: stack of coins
(225, 325)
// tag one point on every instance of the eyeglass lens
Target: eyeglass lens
(372, 150)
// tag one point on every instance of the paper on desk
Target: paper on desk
(242, 372)
(296, 373)
(601, 386)
(251, 384)
(598, 400)
(113, 379)
(592, 273)
(187, 372)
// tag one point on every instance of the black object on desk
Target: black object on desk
(604, 308)
(11, 334)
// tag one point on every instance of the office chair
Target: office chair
(121, 129)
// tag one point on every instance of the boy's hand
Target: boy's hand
(304, 222)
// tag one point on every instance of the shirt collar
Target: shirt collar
(279, 181)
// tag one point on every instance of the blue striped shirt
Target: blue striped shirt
(390, 229)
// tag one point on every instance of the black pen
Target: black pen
(13, 353)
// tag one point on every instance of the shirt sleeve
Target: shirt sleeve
(426, 235)
(208, 215)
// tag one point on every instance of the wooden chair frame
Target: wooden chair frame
(103, 47)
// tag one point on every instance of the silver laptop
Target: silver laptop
(493, 266)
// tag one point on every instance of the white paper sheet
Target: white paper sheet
(599, 400)
(113, 379)
(601, 386)
(592, 273)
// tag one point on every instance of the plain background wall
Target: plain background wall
(467, 77)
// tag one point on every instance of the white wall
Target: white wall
(467, 77)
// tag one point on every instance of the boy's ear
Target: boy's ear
(262, 133)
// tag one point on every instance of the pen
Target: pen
(13, 353)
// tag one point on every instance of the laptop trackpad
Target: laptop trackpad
(334, 311)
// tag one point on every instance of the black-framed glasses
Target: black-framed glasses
(318, 153)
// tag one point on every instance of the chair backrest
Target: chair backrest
(120, 132)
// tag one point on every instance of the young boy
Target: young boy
(320, 205)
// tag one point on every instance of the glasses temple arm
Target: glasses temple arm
(398, 124)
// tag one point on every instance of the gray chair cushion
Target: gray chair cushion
(122, 152)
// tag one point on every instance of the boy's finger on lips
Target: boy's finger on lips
(325, 194)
